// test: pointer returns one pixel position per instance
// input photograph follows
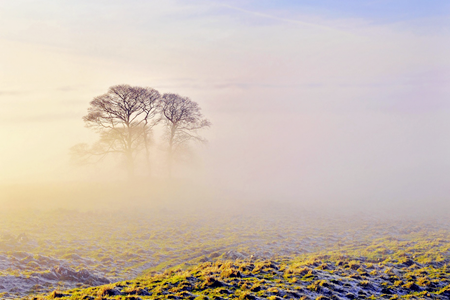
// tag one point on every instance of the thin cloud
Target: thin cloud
(191, 84)
(10, 93)
(68, 88)
(39, 118)
(296, 22)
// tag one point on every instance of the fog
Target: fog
(308, 107)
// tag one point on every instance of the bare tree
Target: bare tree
(183, 119)
(123, 117)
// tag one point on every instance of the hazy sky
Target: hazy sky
(310, 99)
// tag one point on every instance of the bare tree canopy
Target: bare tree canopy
(183, 119)
(123, 117)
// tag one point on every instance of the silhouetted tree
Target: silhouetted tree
(123, 117)
(183, 119)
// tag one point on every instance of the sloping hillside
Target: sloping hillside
(418, 268)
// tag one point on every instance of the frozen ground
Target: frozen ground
(44, 251)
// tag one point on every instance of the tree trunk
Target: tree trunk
(129, 153)
(147, 153)
(170, 160)
(130, 165)
(170, 152)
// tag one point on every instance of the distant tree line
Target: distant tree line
(125, 117)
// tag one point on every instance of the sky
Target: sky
(309, 100)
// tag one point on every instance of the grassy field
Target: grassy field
(252, 252)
